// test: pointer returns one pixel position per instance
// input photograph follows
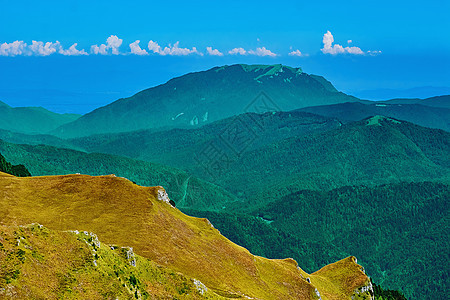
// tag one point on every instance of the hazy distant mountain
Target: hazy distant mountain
(31, 120)
(420, 114)
(439, 101)
(418, 92)
(198, 98)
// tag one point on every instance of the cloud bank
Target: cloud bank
(136, 49)
(171, 50)
(213, 52)
(260, 51)
(111, 47)
(38, 48)
(113, 44)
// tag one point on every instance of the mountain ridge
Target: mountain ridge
(160, 232)
(201, 97)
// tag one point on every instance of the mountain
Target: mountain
(418, 92)
(122, 214)
(183, 187)
(390, 228)
(31, 120)
(420, 114)
(291, 151)
(374, 151)
(438, 101)
(181, 146)
(16, 170)
(397, 231)
(198, 98)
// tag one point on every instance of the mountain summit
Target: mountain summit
(197, 98)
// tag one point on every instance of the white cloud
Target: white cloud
(353, 50)
(262, 52)
(41, 49)
(38, 48)
(349, 41)
(329, 48)
(136, 49)
(99, 49)
(171, 50)
(13, 49)
(374, 52)
(296, 53)
(112, 43)
(235, 51)
(213, 52)
(72, 51)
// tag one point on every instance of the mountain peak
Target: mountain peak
(263, 70)
(202, 97)
(270, 68)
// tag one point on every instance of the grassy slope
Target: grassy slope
(183, 188)
(38, 263)
(128, 215)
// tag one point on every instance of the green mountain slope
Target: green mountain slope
(398, 231)
(181, 146)
(259, 165)
(47, 160)
(427, 116)
(393, 228)
(260, 157)
(373, 151)
(211, 95)
(31, 120)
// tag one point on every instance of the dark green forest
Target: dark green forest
(398, 232)
(16, 170)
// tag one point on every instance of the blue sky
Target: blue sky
(358, 45)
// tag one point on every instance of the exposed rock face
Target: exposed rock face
(318, 294)
(130, 255)
(162, 195)
(364, 292)
(200, 286)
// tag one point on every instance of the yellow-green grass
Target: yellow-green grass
(39, 263)
(124, 214)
